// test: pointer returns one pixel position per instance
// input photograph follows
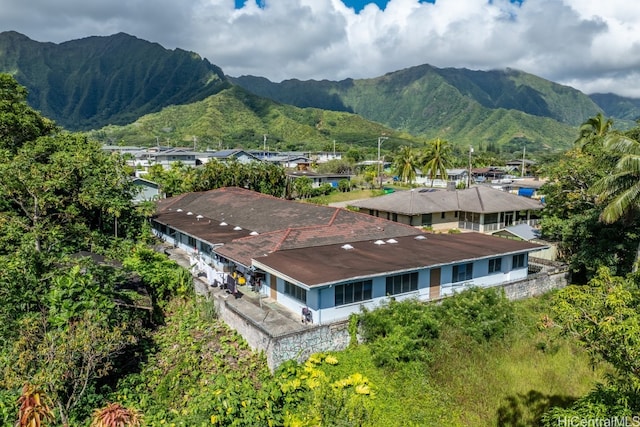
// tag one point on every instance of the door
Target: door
(273, 285)
(434, 284)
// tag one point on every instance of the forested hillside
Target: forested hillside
(98, 81)
(89, 83)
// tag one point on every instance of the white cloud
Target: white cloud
(583, 43)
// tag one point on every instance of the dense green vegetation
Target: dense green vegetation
(92, 82)
(96, 326)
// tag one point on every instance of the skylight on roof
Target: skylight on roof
(222, 224)
(346, 247)
(179, 210)
(379, 242)
(392, 241)
(199, 217)
(189, 213)
(420, 237)
(254, 233)
(237, 228)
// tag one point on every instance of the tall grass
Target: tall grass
(509, 381)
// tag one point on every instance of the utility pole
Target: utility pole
(264, 146)
(469, 172)
(524, 150)
(380, 139)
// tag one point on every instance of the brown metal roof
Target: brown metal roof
(476, 199)
(281, 224)
(330, 264)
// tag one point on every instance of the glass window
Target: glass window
(518, 261)
(295, 292)
(349, 293)
(495, 265)
(426, 220)
(402, 283)
(462, 272)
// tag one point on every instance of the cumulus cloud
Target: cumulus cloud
(580, 43)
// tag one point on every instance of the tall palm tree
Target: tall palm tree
(593, 130)
(437, 159)
(406, 163)
(621, 189)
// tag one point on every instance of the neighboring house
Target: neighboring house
(325, 156)
(328, 262)
(167, 157)
(146, 190)
(291, 161)
(237, 154)
(527, 233)
(319, 179)
(454, 176)
(527, 187)
(479, 208)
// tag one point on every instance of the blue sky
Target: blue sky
(357, 5)
(591, 45)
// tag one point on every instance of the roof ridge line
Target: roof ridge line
(480, 199)
(333, 217)
(286, 234)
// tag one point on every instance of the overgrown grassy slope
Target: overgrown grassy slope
(198, 364)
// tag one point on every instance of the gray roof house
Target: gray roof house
(479, 208)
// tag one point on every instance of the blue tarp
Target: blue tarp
(526, 192)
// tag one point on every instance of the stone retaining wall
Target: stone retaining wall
(295, 345)
(300, 345)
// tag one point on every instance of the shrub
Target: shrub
(400, 332)
(481, 313)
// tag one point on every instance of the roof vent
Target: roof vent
(420, 237)
(237, 228)
(222, 224)
(379, 242)
(179, 210)
(392, 241)
(254, 233)
(346, 247)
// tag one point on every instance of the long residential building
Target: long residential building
(328, 262)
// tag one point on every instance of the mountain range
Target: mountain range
(127, 90)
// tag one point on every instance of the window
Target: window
(462, 272)
(402, 283)
(295, 292)
(353, 292)
(495, 265)
(426, 220)
(442, 215)
(394, 217)
(518, 261)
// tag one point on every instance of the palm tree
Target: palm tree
(405, 163)
(437, 159)
(593, 130)
(621, 189)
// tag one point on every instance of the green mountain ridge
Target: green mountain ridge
(88, 83)
(104, 83)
